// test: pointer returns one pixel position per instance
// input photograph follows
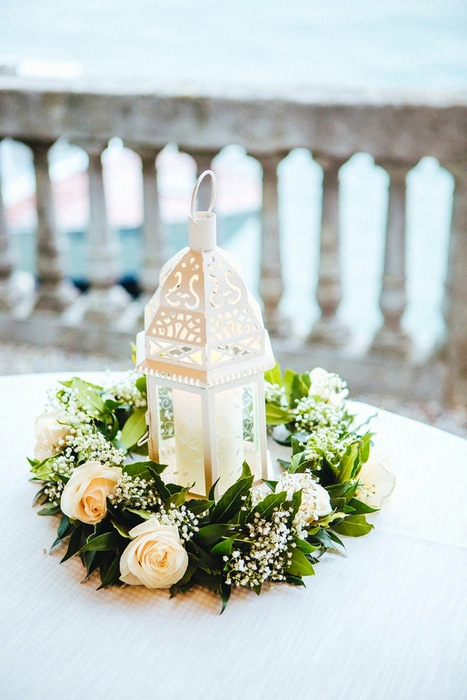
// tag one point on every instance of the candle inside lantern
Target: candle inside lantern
(188, 437)
(229, 436)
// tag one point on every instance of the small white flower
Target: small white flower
(315, 499)
(376, 482)
(327, 443)
(275, 394)
(50, 435)
(329, 386)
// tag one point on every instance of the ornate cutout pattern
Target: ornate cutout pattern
(202, 302)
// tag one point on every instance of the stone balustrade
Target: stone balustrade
(396, 129)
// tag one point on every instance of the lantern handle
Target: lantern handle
(195, 192)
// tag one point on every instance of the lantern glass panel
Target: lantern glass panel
(180, 436)
(251, 432)
(237, 434)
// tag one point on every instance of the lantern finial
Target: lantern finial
(202, 224)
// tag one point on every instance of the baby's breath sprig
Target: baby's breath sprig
(136, 492)
(266, 553)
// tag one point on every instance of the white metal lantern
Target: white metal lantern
(204, 350)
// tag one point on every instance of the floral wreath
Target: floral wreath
(126, 523)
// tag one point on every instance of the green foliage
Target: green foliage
(301, 565)
(353, 526)
(274, 375)
(275, 415)
(134, 428)
(232, 500)
(225, 528)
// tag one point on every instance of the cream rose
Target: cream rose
(376, 482)
(84, 497)
(49, 434)
(328, 386)
(156, 558)
(315, 499)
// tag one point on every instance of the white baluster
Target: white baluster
(55, 293)
(154, 243)
(105, 299)
(393, 300)
(455, 350)
(16, 288)
(271, 285)
(328, 329)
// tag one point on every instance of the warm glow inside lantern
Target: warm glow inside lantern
(204, 350)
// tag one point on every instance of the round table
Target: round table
(388, 621)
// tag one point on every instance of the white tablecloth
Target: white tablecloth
(388, 621)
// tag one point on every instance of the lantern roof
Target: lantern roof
(203, 326)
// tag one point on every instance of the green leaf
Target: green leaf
(206, 561)
(366, 446)
(144, 470)
(299, 389)
(198, 506)
(305, 546)
(246, 471)
(212, 490)
(182, 588)
(177, 499)
(74, 543)
(294, 580)
(110, 405)
(207, 580)
(134, 428)
(360, 507)
(300, 565)
(275, 415)
(353, 526)
(121, 529)
(296, 461)
(191, 568)
(348, 462)
(294, 504)
(274, 375)
(288, 381)
(49, 510)
(141, 384)
(43, 471)
(224, 548)
(110, 426)
(268, 505)
(225, 592)
(306, 381)
(232, 500)
(324, 539)
(88, 396)
(65, 527)
(336, 539)
(111, 574)
(40, 497)
(345, 490)
(102, 543)
(161, 487)
(209, 534)
(145, 514)
(271, 484)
